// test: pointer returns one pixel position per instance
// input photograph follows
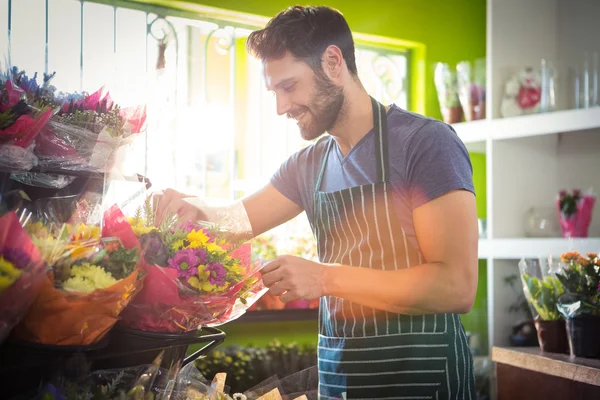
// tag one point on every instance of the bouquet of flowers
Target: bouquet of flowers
(575, 212)
(87, 130)
(21, 120)
(194, 276)
(22, 271)
(95, 274)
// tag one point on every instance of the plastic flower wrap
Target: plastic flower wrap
(21, 120)
(195, 276)
(22, 271)
(542, 289)
(87, 131)
(92, 280)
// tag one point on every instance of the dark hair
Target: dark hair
(305, 32)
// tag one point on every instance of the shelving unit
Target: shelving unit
(517, 248)
(530, 158)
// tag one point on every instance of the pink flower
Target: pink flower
(217, 274)
(187, 261)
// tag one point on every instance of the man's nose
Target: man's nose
(283, 105)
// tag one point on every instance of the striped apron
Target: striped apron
(366, 353)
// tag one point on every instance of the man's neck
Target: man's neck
(356, 121)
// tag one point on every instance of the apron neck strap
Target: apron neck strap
(381, 141)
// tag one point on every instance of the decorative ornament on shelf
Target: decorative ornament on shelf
(522, 94)
(575, 212)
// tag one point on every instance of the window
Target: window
(212, 127)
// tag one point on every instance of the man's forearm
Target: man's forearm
(424, 289)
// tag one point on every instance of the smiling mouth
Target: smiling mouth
(300, 117)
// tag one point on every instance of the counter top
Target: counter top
(584, 370)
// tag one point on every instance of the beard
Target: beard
(325, 108)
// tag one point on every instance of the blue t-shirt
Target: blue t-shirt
(427, 160)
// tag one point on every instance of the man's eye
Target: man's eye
(289, 88)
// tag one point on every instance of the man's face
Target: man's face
(310, 98)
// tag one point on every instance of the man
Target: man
(390, 199)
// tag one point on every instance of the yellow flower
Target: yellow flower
(8, 274)
(214, 248)
(178, 245)
(201, 282)
(38, 229)
(84, 231)
(87, 277)
(201, 273)
(198, 236)
(141, 230)
(237, 269)
(138, 227)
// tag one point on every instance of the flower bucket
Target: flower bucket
(583, 334)
(552, 336)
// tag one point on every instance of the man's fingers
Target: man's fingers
(288, 296)
(278, 289)
(269, 279)
(270, 266)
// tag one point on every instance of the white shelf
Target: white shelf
(474, 131)
(517, 248)
(529, 125)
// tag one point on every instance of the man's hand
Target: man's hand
(171, 202)
(294, 278)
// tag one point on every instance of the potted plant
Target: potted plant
(542, 289)
(575, 212)
(580, 303)
(446, 83)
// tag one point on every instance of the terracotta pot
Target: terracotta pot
(475, 111)
(552, 336)
(452, 115)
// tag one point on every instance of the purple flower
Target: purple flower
(202, 256)
(185, 261)
(155, 251)
(17, 256)
(217, 274)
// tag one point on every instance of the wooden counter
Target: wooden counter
(527, 373)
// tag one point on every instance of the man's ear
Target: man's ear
(333, 62)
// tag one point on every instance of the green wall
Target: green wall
(451, 31)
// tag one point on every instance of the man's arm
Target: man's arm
(447, 232)
(255, 214)
(268, 208)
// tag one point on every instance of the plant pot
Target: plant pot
(583, 333)
(452, 115)
(552, 336)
